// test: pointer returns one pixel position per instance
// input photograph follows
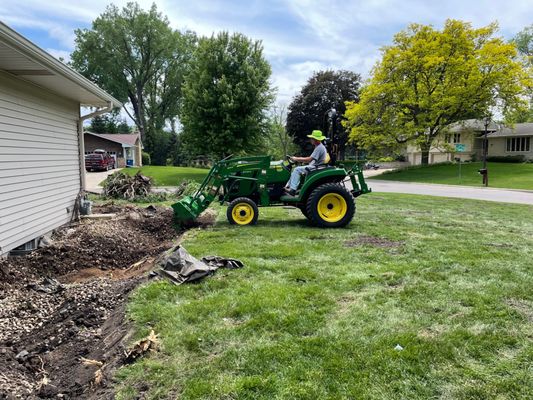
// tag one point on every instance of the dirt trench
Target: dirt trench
(62, 327)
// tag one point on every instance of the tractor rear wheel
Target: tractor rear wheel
(330, 206)
(242, 211)
(303, 209)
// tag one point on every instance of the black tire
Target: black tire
(246, 212)
(330, 206)
(303, 209)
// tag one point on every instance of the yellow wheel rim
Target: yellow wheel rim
(242, 213)
(332, 207)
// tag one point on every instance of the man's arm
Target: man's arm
(302, 159)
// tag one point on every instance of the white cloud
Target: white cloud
(299, 36)
(65, 55)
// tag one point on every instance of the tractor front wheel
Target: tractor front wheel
(330, 206)
(242, 211)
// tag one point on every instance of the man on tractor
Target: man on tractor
(317, 157)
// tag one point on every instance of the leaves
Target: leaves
(136, 56)
(429, 79)
(226, 95)
(323, 91)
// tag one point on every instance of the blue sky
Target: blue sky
(299, 36)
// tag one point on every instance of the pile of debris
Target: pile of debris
(62, 327)
(122, 186)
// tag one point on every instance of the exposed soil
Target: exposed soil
(64, 338)
(373, 241)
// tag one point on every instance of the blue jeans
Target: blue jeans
(295, 177)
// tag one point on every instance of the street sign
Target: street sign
(459, 147)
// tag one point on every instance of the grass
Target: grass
(169, 176)
(501, 175)
(316, 314)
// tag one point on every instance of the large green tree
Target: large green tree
(524, 44)
(322, 92)
(137, 57)
(226, 96)
(428, 79)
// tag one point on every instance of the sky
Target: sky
(299, 36)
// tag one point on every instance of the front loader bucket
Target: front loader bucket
(187, 210)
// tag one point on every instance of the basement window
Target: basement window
(518, 144)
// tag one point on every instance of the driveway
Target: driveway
(92, 179)
(462, 192)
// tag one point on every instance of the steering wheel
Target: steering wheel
(289, 165)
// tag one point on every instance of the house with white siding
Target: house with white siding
(42, 169)
(516, 140)
(462, 140)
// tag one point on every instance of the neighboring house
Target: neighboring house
(462, 140)
(512, 141)
(42, 169)
(126, 148)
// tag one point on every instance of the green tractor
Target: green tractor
(248, 183)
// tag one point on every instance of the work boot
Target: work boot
(290, 192)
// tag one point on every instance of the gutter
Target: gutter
(81, 139)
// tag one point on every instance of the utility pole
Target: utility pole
(484, 172)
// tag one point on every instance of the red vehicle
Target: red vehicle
(99, 161)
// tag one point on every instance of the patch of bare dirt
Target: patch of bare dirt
(63, 337)
(524, 307)
(373, 241)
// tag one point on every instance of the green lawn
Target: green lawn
(503, 175)
(169, 176)
(316, 314)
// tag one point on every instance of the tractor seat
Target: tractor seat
(317, 168)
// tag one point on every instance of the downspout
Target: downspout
(81, 139)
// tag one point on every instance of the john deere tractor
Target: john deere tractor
(251, 182)
(247, 183)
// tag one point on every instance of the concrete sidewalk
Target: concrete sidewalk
(462, 192)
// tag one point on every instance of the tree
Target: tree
(137, 57)
(109, 123)
(429, 79)
(524, 44)
(323, 91)
(123, 127)
(278, 143)
(98, 124)
(226, 95)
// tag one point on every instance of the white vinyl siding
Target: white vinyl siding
(39, 161)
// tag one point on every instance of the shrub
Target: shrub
(507, 159)
(400, 158)
(146, 159)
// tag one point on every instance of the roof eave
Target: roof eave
(34, 52)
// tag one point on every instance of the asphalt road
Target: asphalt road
(462, 192)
